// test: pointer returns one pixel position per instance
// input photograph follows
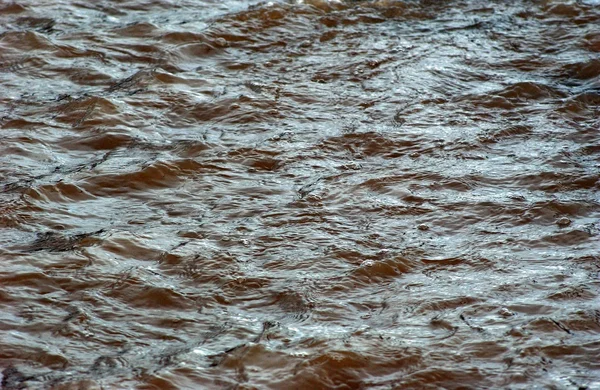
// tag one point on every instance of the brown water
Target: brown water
(310, 195)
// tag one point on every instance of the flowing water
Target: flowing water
(299, 195)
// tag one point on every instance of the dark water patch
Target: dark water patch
(56, 242)
(100, 139)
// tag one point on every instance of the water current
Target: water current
(315, 194)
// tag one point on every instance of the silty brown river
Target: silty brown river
(299, 194)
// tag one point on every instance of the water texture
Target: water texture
(299, 195)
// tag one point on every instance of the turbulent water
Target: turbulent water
(299, 195)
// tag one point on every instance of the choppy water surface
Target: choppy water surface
(309, 195)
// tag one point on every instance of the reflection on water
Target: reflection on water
(312, 195)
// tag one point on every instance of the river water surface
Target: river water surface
(299, 195)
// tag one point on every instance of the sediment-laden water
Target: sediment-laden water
(299, 195)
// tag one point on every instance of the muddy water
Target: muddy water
(299, 195)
